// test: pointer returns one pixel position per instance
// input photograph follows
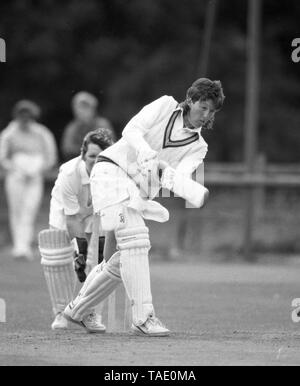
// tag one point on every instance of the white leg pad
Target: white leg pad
(57, 255)
(134, 245)
(100, 283)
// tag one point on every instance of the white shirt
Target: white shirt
(70, 192)
(161, 125)
(33, 150)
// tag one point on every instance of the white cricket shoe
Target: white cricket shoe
(60, 322)
(92, 322)
(152, 327)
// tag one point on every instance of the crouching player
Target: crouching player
(164, 134)
(71, 219)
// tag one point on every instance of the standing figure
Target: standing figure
(71, 220)
(86, 118)
(161, 146)
(27, 150)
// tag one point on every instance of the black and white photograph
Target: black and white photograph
(149, 185)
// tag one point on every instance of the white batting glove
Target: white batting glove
(167, 179)
(147, 160)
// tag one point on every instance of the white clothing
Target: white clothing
(158, 126)
(118, 189)
(25, 155)
(37, 141)
(111, 185)
(24, 198)
(70, 193)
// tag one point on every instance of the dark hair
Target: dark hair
(201, 90)
(28, 106)
(101, 137)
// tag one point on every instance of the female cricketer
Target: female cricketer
(161, 146)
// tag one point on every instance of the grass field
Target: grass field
(219, 314)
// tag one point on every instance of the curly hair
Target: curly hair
(201, 90)
(101, 137)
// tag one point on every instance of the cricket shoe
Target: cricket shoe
(60, 322)
(152, 327)
(92, 322)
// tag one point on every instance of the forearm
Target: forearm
(51, 156)
(85, 212)
(134, 137)
(50, 162)
(6, 164)
(5, 160)
(193, 192)
(74, 227)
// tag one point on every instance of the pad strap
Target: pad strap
(129, 238)
(55, 247)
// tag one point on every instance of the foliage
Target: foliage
(129, 52)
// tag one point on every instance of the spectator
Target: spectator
(84, 106)
(27, 150)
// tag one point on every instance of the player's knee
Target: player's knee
(112, 267)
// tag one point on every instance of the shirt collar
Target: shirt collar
(196, 130)
(85, 179)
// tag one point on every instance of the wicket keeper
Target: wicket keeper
(71, 211)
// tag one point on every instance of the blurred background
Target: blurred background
(130, 52)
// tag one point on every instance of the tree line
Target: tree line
(129, 52)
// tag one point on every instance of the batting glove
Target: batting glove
(80, 265)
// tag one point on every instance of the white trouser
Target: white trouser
(131, 263)
(24, 197)
(117, 199)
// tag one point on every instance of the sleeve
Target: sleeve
(142, 122)
(69, 195)
(192, 162)
(50, 148)
(5, 150)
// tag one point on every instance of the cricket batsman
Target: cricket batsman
(161, 146)
(71, 219)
